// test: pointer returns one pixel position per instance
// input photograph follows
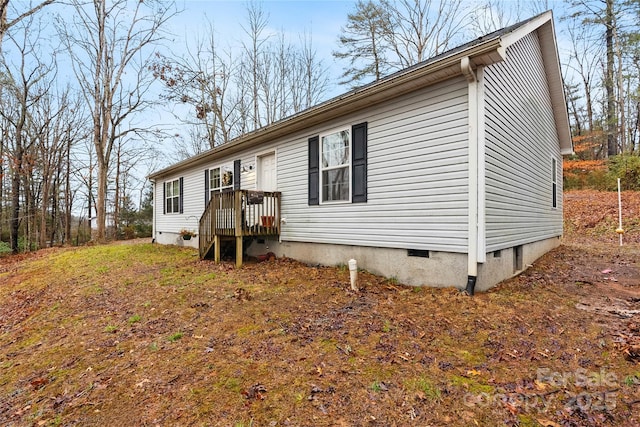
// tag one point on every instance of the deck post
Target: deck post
(216, 248)
(239, 251)
(238, 222)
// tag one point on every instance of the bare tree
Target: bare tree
(420, 29)
(256, 25)
(201, 78)
(609, 21)
(6, 23)
(602, 14)
(5, 130)
(48, 148)
(110, 46)
(582, 62)
(129, 154)
(59, 122)
(26, 86)
(492, 15)
(309, 78)
(228, 96)
(283, 71)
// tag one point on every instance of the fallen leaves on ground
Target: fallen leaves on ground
(593, 216)
(149, 335)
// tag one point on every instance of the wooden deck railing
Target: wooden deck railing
(236, 214)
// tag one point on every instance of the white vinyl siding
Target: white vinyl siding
(520, 135)
(417, 177)
(194, 194)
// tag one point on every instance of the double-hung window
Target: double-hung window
(338, 166)
(172, 196)
(335, 166)
(221, 178)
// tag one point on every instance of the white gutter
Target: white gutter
(481, 190)
(153, 218)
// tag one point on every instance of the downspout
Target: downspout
(153, 218)
(472, 248)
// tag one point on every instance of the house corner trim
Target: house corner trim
(475, 237)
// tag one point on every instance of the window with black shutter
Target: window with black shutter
(314, 170)
(236, 175)
(207, 195)
(359, 163)
(338, 166)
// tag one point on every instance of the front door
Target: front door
(267, 172)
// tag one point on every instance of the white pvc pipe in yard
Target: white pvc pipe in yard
(620, 230)
(353, 272)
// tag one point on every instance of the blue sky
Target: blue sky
(321, 19)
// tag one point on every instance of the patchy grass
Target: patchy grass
(149, 335)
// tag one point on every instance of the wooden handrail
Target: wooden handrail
(239, 213)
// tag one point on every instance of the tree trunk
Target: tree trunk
(589, 102)
(90, 198)
(54, 209)
(1, 177)
(42, 236)
(612, 144)
(67, 191)
(15, 200)
(116, 196)
(15, 180)
(621, 91)
(101, 200)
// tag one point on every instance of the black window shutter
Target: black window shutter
(236, 174)
(314, 170)
(359, 163)
(163, 198)
(206, 187)
(181, 195)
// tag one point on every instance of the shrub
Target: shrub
(582, 174)
(143, 229)
(5, 248)
(602, 175)
(129, 232)
(627, 168)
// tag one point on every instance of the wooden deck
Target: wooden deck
(235, 215)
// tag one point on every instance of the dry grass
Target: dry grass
(149, 335)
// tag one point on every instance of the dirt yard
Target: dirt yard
(149, 335)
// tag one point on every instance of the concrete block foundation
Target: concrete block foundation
(423, 268)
